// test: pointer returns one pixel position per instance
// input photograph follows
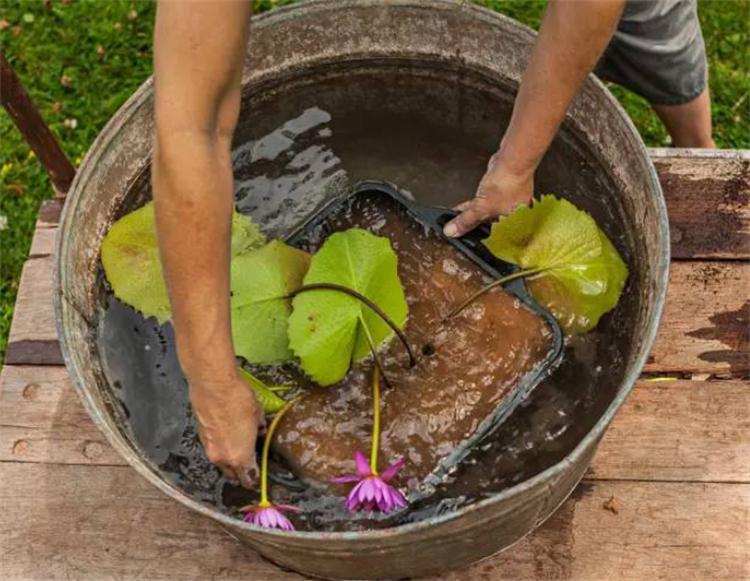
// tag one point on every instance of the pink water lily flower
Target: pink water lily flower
(267, 514)
(270, 516)
(372, 491)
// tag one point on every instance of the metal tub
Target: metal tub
(342, 37)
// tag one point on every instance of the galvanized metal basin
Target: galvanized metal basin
(330, 38)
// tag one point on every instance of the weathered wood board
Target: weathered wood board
(107, 523)
(33, 337)
(43, 243)
(706, 322)
(664, 531)
(42, 420)
(708, 200)
(697, 431)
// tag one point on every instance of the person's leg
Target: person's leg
(689, 124)
(658, 52)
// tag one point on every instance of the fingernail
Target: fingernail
(450, 230)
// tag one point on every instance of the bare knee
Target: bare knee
(689, 124)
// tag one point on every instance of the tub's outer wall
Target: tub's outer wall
(285, 42)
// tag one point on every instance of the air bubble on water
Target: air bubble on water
(450, 266)
(379, 226)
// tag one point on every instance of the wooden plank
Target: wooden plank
(82, 445)
(43, 243)
(656, 153)
(33, 337)
(39, 397)
(108, 524)
(41, 420)
(708, 201)
(49, 213)
(105, 523)
(665, 531)
(706, 322)
(681, 430)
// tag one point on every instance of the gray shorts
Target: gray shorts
(658, 52)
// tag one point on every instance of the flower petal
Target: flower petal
(285, 524)
(368, 489)
(399, 500)
(272, 518)
(353, 500)
(386, 504)
(265, 518)
(393, 469)
(363, 466)
(351, 503)
(378, 486)
(288, 508)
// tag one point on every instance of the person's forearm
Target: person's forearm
(198, 56)
(573, 35)
(199, 50)
(194, 201)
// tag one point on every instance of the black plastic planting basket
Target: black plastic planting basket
(470, 245)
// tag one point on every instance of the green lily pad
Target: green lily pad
(261, 281)
(579, 274)
(328, 330)
(130, 257)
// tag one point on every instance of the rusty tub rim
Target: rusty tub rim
(140, 463)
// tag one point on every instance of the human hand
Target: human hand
(500, 192)
(229, 417)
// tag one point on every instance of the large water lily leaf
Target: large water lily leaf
(246, 235)
(261, 281)
(581, 275)
(328, 329)
(130, 257)
(265, 393)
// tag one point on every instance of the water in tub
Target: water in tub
(293, 153)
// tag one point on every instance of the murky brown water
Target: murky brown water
(299, 145)
(476, 361)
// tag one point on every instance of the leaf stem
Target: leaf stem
(374, 353)
(489, 287)
(363, 299)
(264, 502)
(375, 420)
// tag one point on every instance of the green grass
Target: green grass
(104, 47)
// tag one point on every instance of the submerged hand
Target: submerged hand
(500, 192)
(229, 417)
